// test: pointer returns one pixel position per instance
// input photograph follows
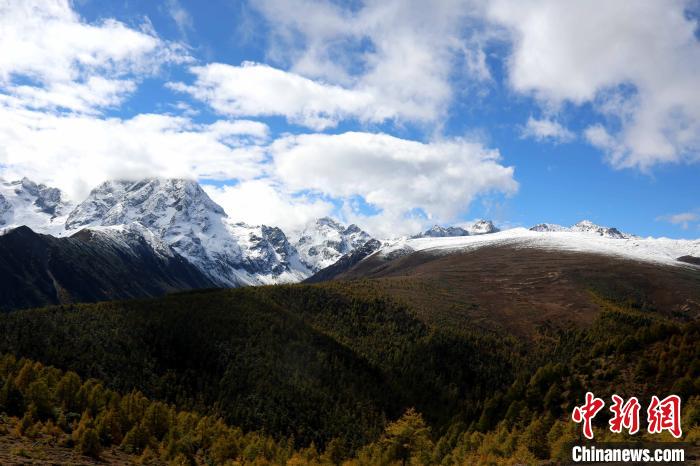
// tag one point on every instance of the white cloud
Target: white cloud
(636, 62)
(77, 152)
(259, 90)
(683, 219)
(396, 176)
(388, 60)
(262, 202)
(547, 130)
(52, 58)
(181, 17)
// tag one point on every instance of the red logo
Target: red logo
(624, 415)
(587, 412)
(661, 415)
(665, 415)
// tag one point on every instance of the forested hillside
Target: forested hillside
(330, 366)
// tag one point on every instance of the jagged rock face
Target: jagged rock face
(548, 227)
(325, 241)
(266, 250)
(5, 208)
(47, 200)
(442, 232)
(346, 262)
(584, 226)
(164, 206)
(482, 227)
(183, 215)
(37, 206)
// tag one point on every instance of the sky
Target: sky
(395, 115)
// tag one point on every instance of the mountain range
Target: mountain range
(482, 332)
(170, 235)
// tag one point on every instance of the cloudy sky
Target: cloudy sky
(395, 114)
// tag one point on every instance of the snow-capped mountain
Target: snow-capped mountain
(548, 227)
(658, 250)
(441, 232)
(181, 214)
(40, 207)
(482, 227)
(479, 227)
(584, 226)
(324, 241)
(176, 218)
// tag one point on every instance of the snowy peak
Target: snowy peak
(325, 240)
(548, 227)
(482, 227)
(40, 207)
(584, 226)
(266, 251)
(479, 227)
(159, 204)
(181, 214)
(442, 232)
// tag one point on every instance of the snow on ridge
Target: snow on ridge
(659, 250)
(37, 206)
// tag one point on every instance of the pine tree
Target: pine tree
(89, 443)
(407, 438)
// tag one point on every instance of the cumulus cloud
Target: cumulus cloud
(262, 201)
(52, 58)
(254, 89)
(388, 60)
(636, 62)
(395, 176)
(683, 219)
(547, 130)
(76, 152)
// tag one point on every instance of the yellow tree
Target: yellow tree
(406, 439)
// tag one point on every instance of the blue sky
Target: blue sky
(387, 114)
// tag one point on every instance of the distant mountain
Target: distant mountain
(584, 226)
(181, 214)
(442, 232)
(91, 265)
(324, 241)
(40, 207)
(479, 227)
(482, 227)
(548, 227)
(346, 262)
(178, 215)
(540, 277)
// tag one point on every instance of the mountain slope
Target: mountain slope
(518, 280)
(584, 226)
(314, 362)
(182, 214)
(92, 265)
